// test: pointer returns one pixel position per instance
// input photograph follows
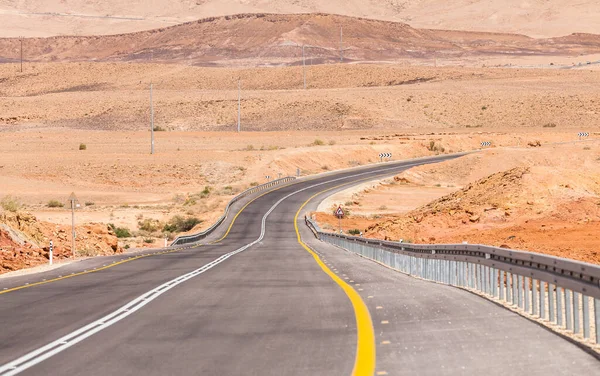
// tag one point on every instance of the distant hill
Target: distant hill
(536, 18)
(275, 39)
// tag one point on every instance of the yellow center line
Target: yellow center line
(141, 256)
(88, 271)
(364, 362)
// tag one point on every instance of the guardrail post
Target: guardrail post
(575, 312)
(470, 275)
(489, 277)
(568, 310)
(542, 295)
(501, 284)
(551, 309)
(597, 318)
(495, 282)
(586, 316)
(520, 290)
(515, 289)
(509, 294)
(485, 277)
(526, 292)
(559, 312)
(534, 296)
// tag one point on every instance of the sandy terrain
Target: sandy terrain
(116, 97)
(545, 200)
(76, 120)
(92, 17)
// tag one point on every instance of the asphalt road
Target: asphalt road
(269, 309)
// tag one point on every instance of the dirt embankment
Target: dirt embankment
(24, 241)
(276, 37)
(544, 201)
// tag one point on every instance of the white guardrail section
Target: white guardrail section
(562, 293)
(186, 239)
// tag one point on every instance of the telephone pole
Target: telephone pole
(239, 104)
(21, 39)
(303, 67)
(151, 123)
(341, 45)
(73, 200)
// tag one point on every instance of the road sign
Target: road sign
(339, 212)
(486, 143)
(583, 134)
(384, 155)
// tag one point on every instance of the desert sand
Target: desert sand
(544, 199)
(77, 119)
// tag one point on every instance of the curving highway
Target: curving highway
(261, 296)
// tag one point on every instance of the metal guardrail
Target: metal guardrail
(560, 292)
(186, 239)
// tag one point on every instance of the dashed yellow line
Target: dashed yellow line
(88, 271)
(364, 362)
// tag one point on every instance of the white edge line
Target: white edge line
(29, 360)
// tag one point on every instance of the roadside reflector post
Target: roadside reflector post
(50, 255)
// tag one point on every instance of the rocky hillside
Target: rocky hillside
(272, 38)
(24, 241)
(92, 17)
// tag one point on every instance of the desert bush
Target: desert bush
(122, 232)
(149, 225)
(433, 146)
(178, 223)
(82, 147)
(89, 203)
(205, 192)
(587, 148)
(158, 128)
(10, 203)
(55, 204)
(148, 240)
(484, 108)
(354, 232)
(127, 246)
(318, 142)
(249, 148)
(254, 184)
(383, 207)
(189, 201)
(325, 168)
(549, 125)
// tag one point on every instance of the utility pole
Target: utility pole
(151, 123)
(341, 45)
(303, 67)
(239, 104)
(73, 201)
(21, 39)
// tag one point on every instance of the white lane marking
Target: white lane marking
(29, 360)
